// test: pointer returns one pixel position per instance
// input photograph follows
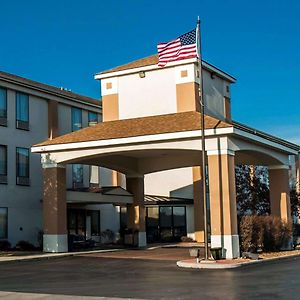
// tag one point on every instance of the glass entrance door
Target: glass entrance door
(165, 223)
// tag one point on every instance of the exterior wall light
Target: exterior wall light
(142, 74)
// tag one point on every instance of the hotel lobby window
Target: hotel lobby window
(165, 223)
(3, 164)
(76, 119)
(22, 157)
(3, 107)
(3, 222)
(22, 111)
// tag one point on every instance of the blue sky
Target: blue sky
(65, 42)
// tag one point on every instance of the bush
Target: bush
(186, 239)
(5, 245)
(25, 246)
(267, 233)
(107, 236)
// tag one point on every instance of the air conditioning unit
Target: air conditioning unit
(22, 125)
(23, 181)
(3, 179)
(3, 121)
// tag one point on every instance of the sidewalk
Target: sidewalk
(233, 263)
(52, 255)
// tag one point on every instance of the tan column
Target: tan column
(223, 211)
(136, 211)
(198, 205)
(55, 210)
(116, 178)
(280, 192)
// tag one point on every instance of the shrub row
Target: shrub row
(21, 246)
(267, 233)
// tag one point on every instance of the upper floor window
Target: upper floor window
(76, 119)
(22, 158)
(93, 118)
(3, 107)
(3, 164)
(22, 111)
(77, 175)
(3, 222)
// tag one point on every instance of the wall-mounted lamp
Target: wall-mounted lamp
(212, 75)
(142, 74)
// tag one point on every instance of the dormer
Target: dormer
(141, 88)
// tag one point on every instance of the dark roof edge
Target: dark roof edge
(49, 89)
(265, 135)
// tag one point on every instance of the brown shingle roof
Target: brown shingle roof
(153, 60)
(177, 122)
(46, 88)
(147, 61)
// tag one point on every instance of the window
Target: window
(165, 223)
(3, 222)
(76, 119)
(3, 107)
(93, 118)
(95, 222)
(77, 221)
(22, 111)
(77, 175)
(3, 164)
(22, 166)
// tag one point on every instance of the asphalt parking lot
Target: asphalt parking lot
(143, 278)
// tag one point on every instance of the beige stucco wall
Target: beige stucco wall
(24, 203)
(157, 93)
(174, 183)
(153, 95)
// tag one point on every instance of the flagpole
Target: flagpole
(203, 167)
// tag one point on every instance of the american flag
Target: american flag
(183, 47)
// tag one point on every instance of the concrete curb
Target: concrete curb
(53, 255)
(194, 265)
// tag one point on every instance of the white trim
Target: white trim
(142, 239)
(169, 65)
(263, 141)
(279, 167)
(220, 152)
(55, 243)
(131, 140)
(229, 243)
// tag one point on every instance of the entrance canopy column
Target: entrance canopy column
(198, 204)
(280, 192)
(55, 237)
(136, 210)
(223, 213)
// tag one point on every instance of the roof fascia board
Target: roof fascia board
(264, 141)
(265, 135)
(131, 140)
(46, 91)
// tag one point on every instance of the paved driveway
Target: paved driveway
(141, 278)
